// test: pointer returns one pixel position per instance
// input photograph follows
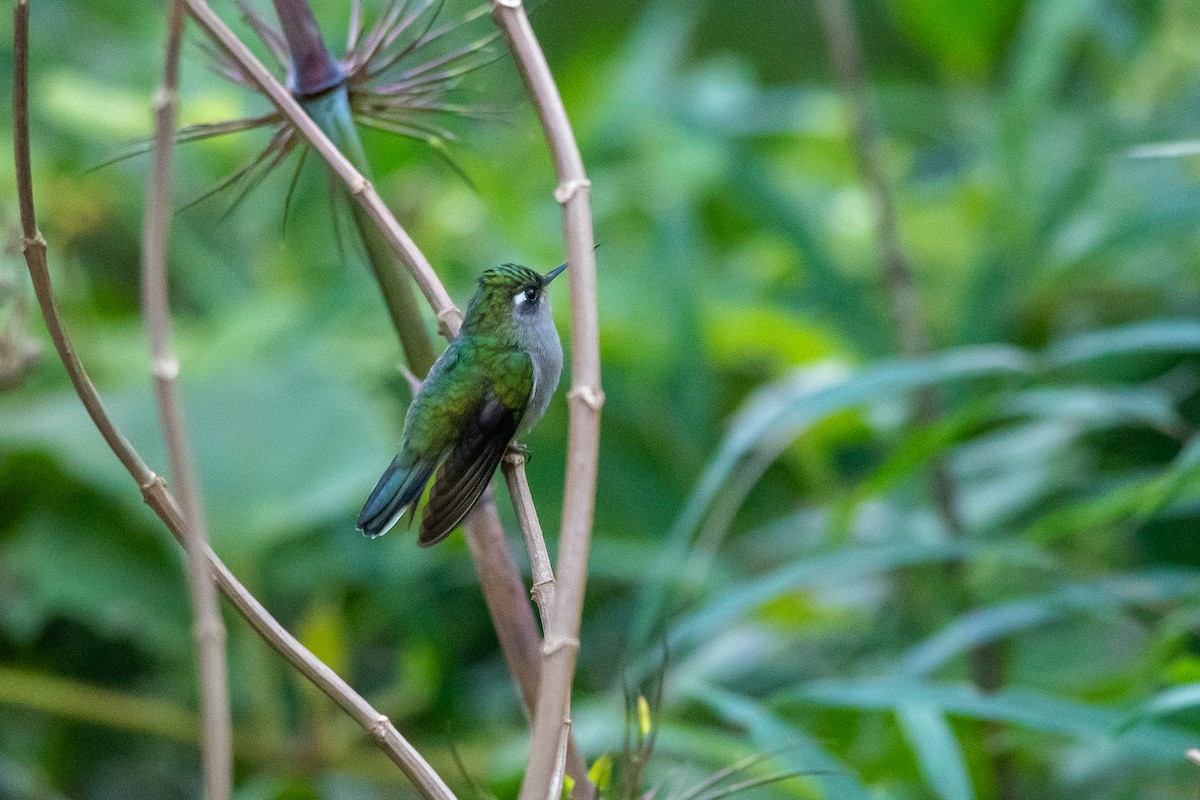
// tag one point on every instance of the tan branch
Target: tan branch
(542, 780)
(541, 572)
(154, 490)
(216, 741)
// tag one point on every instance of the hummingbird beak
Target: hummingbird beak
(552, 274)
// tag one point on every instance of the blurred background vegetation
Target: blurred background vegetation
(763, 504)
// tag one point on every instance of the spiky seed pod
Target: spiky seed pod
(395, 75)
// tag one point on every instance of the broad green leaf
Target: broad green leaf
(962, 39)
(278, 450)
(124, 584)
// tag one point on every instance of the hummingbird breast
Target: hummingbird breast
(537, 336)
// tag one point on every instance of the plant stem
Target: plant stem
(217, 738)
(541, 573)
(331, 112)
(987, 660)
(154, 490)
(542, 780)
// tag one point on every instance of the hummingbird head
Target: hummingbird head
(510, 294)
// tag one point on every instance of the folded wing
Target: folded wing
(468, 468)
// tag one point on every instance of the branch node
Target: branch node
(164, 98)
(449, 321)
(592, 398)
(153, 484)
(165, 368)
(567, 189)
(381, 727)
(514, 457)
(555, 643)
(360, 187)
(35, 242)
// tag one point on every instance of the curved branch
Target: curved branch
(154, 489)
(542, 777)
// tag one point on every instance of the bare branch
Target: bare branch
(153, 488)
(542, 573)
(542, 780)
(217, 739)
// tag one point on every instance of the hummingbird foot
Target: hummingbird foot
(517, 454)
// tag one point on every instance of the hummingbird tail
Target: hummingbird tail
(398, 490)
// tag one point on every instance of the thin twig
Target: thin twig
(217, 739)
(154, 490)
(542, 781)
(986, 661)
(498, 575)
(541, 573)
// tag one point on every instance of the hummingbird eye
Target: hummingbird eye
(531, 294)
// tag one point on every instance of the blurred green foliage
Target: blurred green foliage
(763, 504)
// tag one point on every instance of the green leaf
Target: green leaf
(961, 38)
(278, 450)
(1159, 336)
(1086, 722)
(937, 751)
(844, 565)
(1102, 599)
(1165, 703)
(776, 415)
(1095, 407)
(118, 582)
(600, 773)
(770, 732)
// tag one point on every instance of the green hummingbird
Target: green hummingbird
(491, 384)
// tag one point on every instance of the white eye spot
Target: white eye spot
(526, 297)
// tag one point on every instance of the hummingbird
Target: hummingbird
(490, 385)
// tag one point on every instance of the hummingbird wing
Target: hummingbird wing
(426, 440)
(471, 462)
